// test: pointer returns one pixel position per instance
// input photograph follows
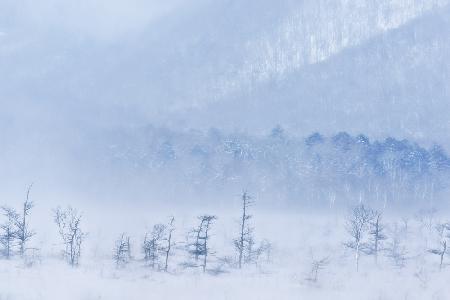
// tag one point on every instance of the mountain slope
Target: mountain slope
(192, 57)
(394, 83)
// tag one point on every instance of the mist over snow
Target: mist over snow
(226, 149)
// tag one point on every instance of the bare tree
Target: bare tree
(244, 243)
(195, 247)
(442, 250)
(8, 233)
(24, 233)
(68, 221)
(168, 248)
(316, 265)
(405, 222)
(122, 251)
(395, 248)
(152, 246)
(423, 277)
(207, 221)
(17, 224)
(357, 224)
(426, 219)
(376, 232)
(199, 248)
(263, 252)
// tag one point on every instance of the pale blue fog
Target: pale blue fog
(200, 149)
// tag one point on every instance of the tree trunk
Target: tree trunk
(357, 257)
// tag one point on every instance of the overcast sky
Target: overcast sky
(99, 19)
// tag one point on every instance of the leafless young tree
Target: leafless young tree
(244, 243)
(422, 276)
(17, 224)
(8, 232)
(426, 219)
(441, 229)
(195, 247)
(68, 221)
(395, 248)
(199, 247)
(24, 233)
(357, 225)
(441, 252)
(263, 252)
(152, 246)
(405, 224)
(316, 266)
(169, 243)
(122, 251)
(376, 232)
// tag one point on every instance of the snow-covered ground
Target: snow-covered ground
(54, 280)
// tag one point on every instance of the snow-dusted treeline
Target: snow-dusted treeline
(316, 170)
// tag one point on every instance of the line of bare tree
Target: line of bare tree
(368, 233)
(158, 244)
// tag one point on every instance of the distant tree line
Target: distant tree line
(338, 170)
